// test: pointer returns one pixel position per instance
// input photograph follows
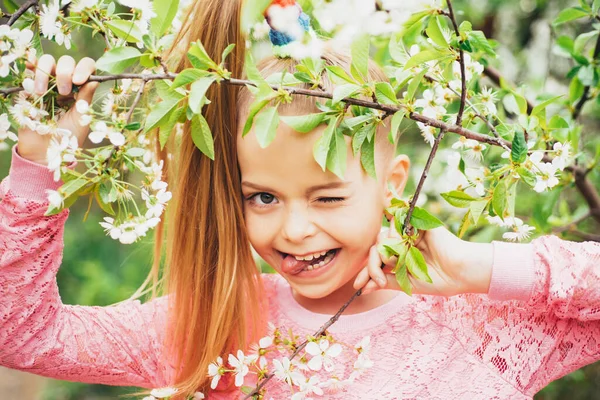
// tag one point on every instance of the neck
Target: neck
(333, 302)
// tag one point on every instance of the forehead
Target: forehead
(287, 161)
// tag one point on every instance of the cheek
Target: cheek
(261, 229)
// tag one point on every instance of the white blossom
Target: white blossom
(284, 371)
(5, 133)
(163, 392)
(323, 354)
(546, 177)
(239, 366)
(562, 156)
(215, 371)
(101, 131)
(55, 199)
(520, 231)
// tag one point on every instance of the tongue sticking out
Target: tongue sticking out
(292, 266)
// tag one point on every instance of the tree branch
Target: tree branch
(463, 73)
(586, 90)
(17, 14)
(317, 334)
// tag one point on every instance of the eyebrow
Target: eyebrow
(330, 185)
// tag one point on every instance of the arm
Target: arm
(541, 317)
(117, 345)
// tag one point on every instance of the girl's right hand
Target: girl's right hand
(33, 146)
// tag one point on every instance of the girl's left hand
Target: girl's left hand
(454, 265)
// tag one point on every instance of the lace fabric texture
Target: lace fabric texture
(425, 347)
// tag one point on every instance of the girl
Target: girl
(499, 320)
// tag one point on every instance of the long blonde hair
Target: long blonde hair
(210, 275)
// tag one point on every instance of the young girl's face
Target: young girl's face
(312, 227)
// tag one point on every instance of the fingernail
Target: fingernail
(39, 87)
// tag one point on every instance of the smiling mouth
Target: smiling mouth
(295, 264)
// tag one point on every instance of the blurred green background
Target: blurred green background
(99, 271)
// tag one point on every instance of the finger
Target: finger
(370, 287)
(374, 266)
(84, 68)
(86, 92)
(64, 73)
(362, 278)
(44, 69)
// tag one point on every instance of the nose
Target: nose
(298, 224)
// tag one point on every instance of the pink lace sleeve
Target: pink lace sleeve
(541, 319)
(116, 345)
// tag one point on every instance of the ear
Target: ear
(396, 178)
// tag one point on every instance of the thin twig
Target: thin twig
(573, 224)
(463, 73)
(137, 99)
(586, 90)
(586, 236)
(415, 197)
(317, 334)
(17, 14)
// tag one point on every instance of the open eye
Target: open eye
(262, 199)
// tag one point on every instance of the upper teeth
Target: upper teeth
(310, 256)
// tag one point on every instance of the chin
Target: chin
(313, 291)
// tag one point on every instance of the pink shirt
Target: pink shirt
(539, 322)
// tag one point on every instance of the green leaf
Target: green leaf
(198, 92)
(458, 199)
(70, 192)
(165, 11)
(360, 136)
(464, 224)
(255, 108)
(106, 207)
(576, 90)
(167, 127)
(125, 30)
(304, 123)
(570, 14)
(367, 157)
(353, 122)
(107, 191)
(255, 76)
(227, 51)
(414, 84)
(360, 57)
(421, 219)
(477, 208)
(202, 136)
(160, 113)
(537, 110)
(188, 76)
(423, 57)
(323, 144)
(396, 121)
(265, 126)
(336, 157)
(434, 31)
(343, 91)
(519, 148)
(385, 93)
(402, 277)
(339, 73)
(199, 57)
(499, 200)
(480, 42)
(10, 6)
(118, 59)
(415, 262)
